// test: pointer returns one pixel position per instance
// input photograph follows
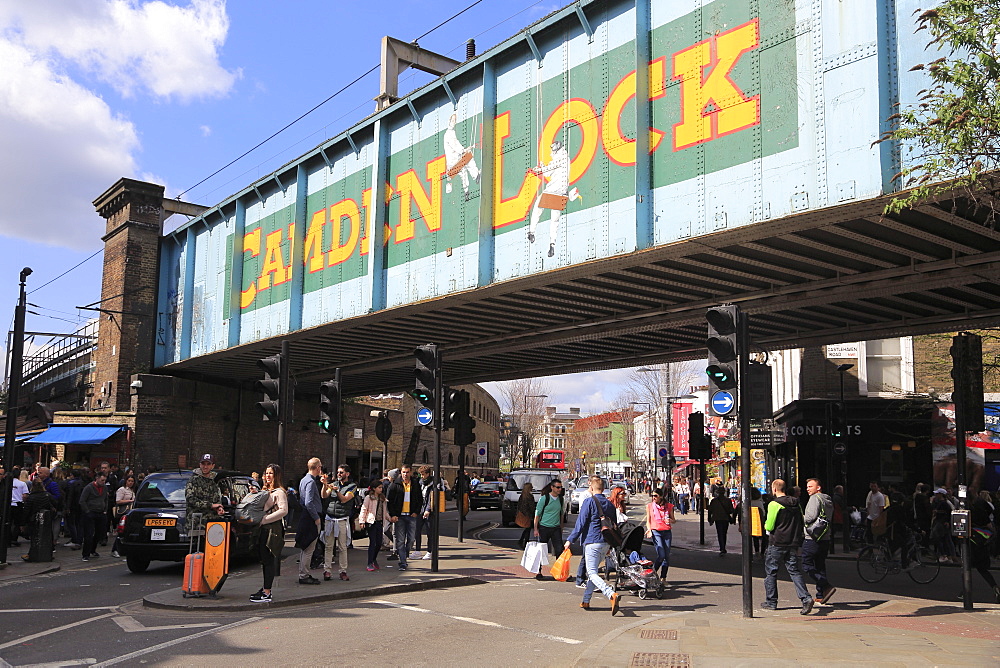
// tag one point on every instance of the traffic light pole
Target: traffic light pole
(438, 488)
(286, 407)
(460, 493)
(335, 444)
(743, 345)
(703, 496)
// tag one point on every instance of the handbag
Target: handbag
(522, 520)
(612, 536)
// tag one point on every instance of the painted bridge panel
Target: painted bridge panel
(754, 110)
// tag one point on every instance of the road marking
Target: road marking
(60, 664)
(480, 622)
(170, 643)
(103, 607)
(55, 630)
(130, 624)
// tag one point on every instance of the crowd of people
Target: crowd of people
(80, 504)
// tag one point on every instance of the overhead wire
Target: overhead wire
(78, 264)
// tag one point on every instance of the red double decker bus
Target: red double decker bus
(550, 459)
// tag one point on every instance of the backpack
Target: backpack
(819, 526)
(250, 510)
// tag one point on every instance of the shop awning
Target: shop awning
(78, 434)
(22, 436)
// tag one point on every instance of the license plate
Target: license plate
(158, 534)
(161, 521)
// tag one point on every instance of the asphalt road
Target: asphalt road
(91, 613)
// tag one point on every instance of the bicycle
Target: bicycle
(875, 561)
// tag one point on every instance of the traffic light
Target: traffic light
(428, 364)
(457, 417)
(967, 372)
(329, 407)
(699, 443)
(723, 358)
(836, 421)
(272, 386)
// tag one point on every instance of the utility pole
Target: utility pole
(13, 397)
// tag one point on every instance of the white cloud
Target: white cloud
(63, 143)
(205, 130)
(64, 146)
(592, 391)
(169, 51)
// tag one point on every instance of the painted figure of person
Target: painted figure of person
(458, 159)
(555, 194)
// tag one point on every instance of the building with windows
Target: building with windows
(604, 444)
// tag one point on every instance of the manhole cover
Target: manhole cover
(658, 634)
(659, 660)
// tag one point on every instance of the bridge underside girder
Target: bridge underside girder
(842, 274)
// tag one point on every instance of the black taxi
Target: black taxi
(155, 529)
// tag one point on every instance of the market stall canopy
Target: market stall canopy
(78, 434)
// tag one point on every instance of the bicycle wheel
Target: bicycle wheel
(873, 563)
(925, 565)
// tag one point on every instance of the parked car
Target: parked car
(538, 478)
(155, 529)
(486, 495)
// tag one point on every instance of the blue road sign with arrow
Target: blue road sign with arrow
(722, 402)
(424, 416)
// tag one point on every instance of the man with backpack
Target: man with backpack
(785, 526)
(816, 544)
(338, 503)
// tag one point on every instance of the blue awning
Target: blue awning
(78, 434)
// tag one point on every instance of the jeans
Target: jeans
(375, 536)
(661, 541)
(772, 560)
(683, 499)
(592, 554)
(344, 532)
(406, 531)
(721, 531)
(814, 563)
(423, 526)
(93, 528)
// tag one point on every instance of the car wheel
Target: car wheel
(136, 564)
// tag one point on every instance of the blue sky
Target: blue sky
(169, 92)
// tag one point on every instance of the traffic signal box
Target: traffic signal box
(329, 407)
(836, 420)
(699, 443)
(428, 365)
(967, 372)
(457, 417)
(273, 387)
(723, 358)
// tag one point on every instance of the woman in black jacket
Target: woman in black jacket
(35, 501)
(720, 513)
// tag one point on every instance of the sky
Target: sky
(172, 91)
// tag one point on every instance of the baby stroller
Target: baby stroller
(634, 572)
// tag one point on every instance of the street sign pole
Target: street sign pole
(435, 510)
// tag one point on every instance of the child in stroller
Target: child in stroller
(633, 571)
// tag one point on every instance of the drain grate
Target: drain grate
(658, 634)
(659, 660)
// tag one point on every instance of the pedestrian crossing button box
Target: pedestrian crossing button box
(960, 523)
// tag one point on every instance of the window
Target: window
(888, 366)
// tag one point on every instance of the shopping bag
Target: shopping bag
(756, 526)
(560, 569)
(534, 557)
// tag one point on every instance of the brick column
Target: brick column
(134, 214)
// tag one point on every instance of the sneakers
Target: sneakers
(427, 556)
(371, 569)
(86, 558)
(828, 595)
(402, 567)
(415, 555)
(614, 603)
(327, 576)
(377, 567)
(768, 606)
(260, 597)
(581, 584)
(807, 606)
(115, 554)
(308, 580)
(343, 576)
(69, 543)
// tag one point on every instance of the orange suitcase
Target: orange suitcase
(194, 576)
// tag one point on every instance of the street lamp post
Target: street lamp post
(527, 444)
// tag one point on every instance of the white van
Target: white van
(538, 478)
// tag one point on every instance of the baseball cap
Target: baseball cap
(207, 457)
(940, 490)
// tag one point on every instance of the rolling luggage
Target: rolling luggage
(194, 584)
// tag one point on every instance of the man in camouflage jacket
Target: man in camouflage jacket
(202, 493)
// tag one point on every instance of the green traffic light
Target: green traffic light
(324, 424)
(718, 374)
